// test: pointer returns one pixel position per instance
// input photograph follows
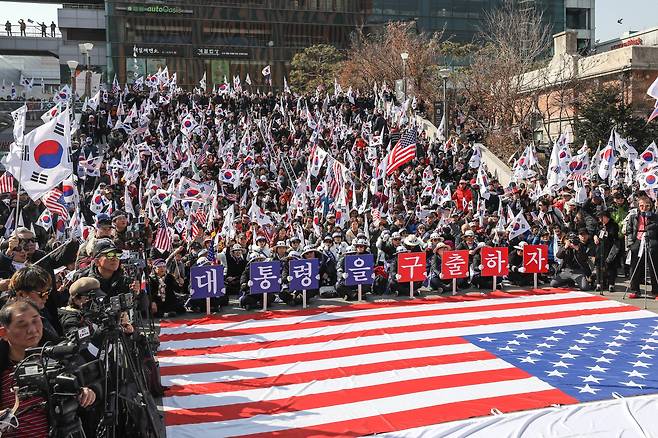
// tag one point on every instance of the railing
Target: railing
(31, 30)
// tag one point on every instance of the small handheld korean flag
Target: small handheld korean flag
(608, 158)
(188, 125)
(518, 226)
(267, 73)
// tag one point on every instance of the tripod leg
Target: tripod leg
(147, 400)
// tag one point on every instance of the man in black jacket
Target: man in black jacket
(106, 268)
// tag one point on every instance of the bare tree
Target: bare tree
(375, 58)
(500, 96)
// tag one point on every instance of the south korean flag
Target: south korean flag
(44, 161)
(188, 125)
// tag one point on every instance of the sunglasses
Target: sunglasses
(41, 293)
(112, 255)
(20, 248)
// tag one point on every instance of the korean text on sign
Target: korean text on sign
(535, 259)
(207, 281)
(359, 269)
(495, 261)
(411, 266)
(265, 277)
(454, 264)
(304, 274)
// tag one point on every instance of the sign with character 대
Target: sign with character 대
(207, 282)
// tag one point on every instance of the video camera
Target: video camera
(57, 373)
(105, 310)
(134, 264)
(136, 235)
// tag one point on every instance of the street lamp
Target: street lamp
(445, 74)
(85, 49)
(404, 56)
(72, 66)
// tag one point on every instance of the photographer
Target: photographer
(575, 269)
(21, 328)
(607, 251)
(642, 226)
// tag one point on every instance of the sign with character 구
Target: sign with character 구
(411, 267)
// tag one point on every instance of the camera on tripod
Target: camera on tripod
(105, 310)
(57, 373)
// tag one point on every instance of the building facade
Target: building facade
(569, 75)
(235, 37)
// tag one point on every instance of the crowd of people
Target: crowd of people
(167, 180)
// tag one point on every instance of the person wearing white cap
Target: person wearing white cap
(339, 245)
(247, 300)
(350, 293)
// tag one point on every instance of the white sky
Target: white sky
(636, 14)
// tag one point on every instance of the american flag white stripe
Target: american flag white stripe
(403, 152)
(458, 323)
(6, 183)
(51, 199)
(361, 370)
(316, 315)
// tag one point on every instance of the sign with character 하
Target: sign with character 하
(207, 281)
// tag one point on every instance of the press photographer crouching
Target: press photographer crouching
(21, 328)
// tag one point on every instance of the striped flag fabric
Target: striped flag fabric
(54, 202)
(6, 183)
(162, 241)
(384, 367)
(403, 151)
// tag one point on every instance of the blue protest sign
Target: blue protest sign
(304, 274)
(207, 282)
(359, 269)
(265, 277)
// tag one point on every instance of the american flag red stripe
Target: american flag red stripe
(360, 370)
(403, 152)
(6, 183)
(54, 202)
(162, 241)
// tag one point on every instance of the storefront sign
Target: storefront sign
(144, 51)
(155, 9)
(220, 52)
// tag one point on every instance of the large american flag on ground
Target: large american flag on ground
(383, 367)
